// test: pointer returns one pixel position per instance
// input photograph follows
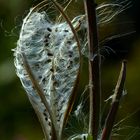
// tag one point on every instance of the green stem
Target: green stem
(94, 69)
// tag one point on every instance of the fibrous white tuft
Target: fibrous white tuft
(52, 54)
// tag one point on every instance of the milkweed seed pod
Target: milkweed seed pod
(52, 55)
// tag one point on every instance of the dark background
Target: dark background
(17, 118)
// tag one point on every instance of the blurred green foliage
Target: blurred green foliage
(17, 118)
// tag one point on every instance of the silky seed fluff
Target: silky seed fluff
(52, 54)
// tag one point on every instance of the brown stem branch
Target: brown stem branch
(94, 69)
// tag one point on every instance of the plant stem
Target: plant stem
(94, 68)
(106, 134)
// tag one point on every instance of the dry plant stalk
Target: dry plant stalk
(94, 69)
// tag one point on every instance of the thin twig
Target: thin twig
(106, 133)
(94, 69)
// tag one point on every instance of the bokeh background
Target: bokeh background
(17, 118)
